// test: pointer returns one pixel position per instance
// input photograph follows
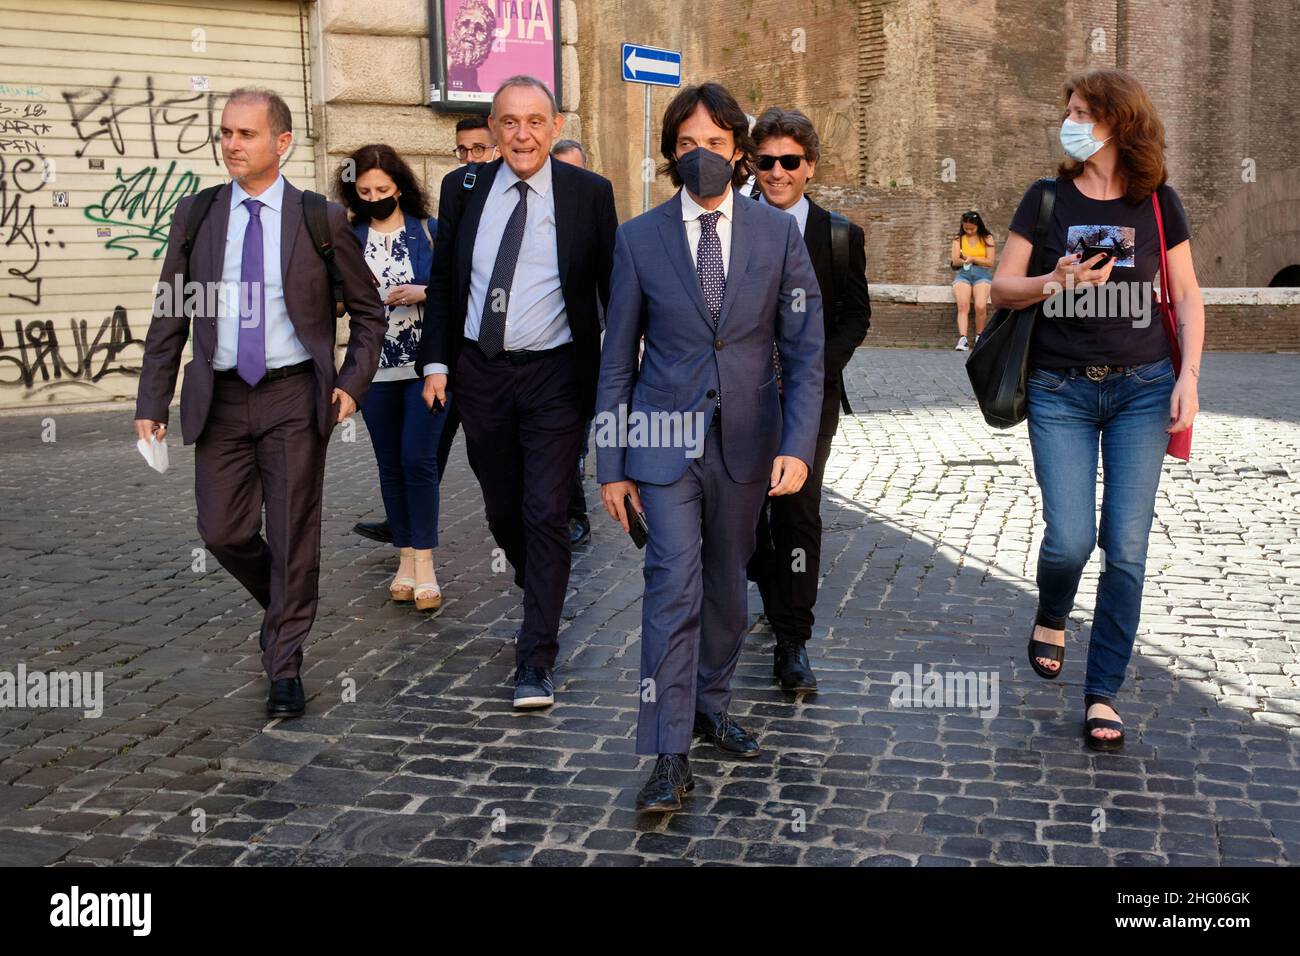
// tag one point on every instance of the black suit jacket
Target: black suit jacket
(585, 222)
(847, 324)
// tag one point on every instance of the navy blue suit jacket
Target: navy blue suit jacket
(771, 296)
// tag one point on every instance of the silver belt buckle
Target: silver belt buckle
(1096, 373)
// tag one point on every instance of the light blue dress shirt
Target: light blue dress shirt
(799, 210)
(535, 316)
(282, 344)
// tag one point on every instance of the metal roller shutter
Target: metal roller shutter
(109, 116)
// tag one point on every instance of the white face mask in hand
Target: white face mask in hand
(154, 452)
(1077, 140)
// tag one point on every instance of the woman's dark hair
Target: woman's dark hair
(723, 110)
(980, 228)
(412, 200)
(1116, 99)
(777, 123)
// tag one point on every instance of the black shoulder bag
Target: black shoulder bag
(998, 365)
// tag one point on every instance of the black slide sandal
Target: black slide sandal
(1101, 723)
(1052, 652)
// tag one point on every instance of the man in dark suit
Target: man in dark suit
(260, 395)
(714, 282)
(787, 563)
(522, 257)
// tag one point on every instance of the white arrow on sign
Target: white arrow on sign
(641, 64)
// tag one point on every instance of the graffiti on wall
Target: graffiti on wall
(34, 357)
(141, 206)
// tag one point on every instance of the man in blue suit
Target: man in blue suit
(737, 285)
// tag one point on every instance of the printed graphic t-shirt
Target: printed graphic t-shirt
(1113, 324)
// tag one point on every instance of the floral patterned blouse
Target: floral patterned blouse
(389, 259)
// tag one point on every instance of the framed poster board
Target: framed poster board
(475, 44)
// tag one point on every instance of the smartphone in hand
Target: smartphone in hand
(1089, 252)
(636, 526)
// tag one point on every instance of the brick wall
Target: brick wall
(1233, 326)
(951, 106)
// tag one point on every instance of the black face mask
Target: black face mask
(376, 211)
(704, 173)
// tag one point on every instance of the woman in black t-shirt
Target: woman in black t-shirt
(1101, 371)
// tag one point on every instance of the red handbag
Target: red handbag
(1180, 443)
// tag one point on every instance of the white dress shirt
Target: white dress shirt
(535, 316)
(691, 212)
(282, 344)
(799, 210)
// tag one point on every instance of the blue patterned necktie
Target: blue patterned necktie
(250, 352)
(708, 264)
(492, 328)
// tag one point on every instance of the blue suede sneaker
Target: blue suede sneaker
(533, 687)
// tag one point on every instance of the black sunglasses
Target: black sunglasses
(790, 161)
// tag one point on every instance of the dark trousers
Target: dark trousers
(447, 436)
(405, 436)
(261, 446)
(787, 560)
(577, 496)
(523, 426)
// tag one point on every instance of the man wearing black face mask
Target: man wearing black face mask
(710, 437)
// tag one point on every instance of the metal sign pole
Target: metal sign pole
(649, 66)
(645, 155)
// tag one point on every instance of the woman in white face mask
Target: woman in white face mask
(1102, 372)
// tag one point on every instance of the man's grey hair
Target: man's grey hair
(524, 80)
(277, 110)
(568, 145)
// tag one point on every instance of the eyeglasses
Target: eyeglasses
(790, 161)
(477, 151)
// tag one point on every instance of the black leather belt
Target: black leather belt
(522, 356)
(284, 371)
(1096, 373)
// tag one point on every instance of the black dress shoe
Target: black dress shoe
(375, 531)
(287, 698)
(669, 781)
(725, 734)
(579, 531)
(790, 666)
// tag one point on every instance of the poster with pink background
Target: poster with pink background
(487, 41)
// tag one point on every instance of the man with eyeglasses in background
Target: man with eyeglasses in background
(474, 144)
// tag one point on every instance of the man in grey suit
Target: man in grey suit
(261, 395)
(698, 434)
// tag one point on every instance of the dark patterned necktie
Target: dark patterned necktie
(492, 329)
(708, 264)
(250, 350)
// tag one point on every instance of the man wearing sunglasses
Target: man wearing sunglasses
(786, 562)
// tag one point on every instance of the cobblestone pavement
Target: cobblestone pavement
(410, 752)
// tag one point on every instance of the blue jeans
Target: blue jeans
(1068, 414)
(973, 275)
(405, 433)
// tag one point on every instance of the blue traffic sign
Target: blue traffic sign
(647, 64)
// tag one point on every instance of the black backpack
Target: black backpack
(314, 209)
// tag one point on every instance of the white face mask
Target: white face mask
(1077, 140)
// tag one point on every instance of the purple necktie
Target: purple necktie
(251, 353)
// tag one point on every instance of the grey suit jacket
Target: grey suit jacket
(308, 298)
(771, 296)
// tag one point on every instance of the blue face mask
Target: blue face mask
(1077, 140)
